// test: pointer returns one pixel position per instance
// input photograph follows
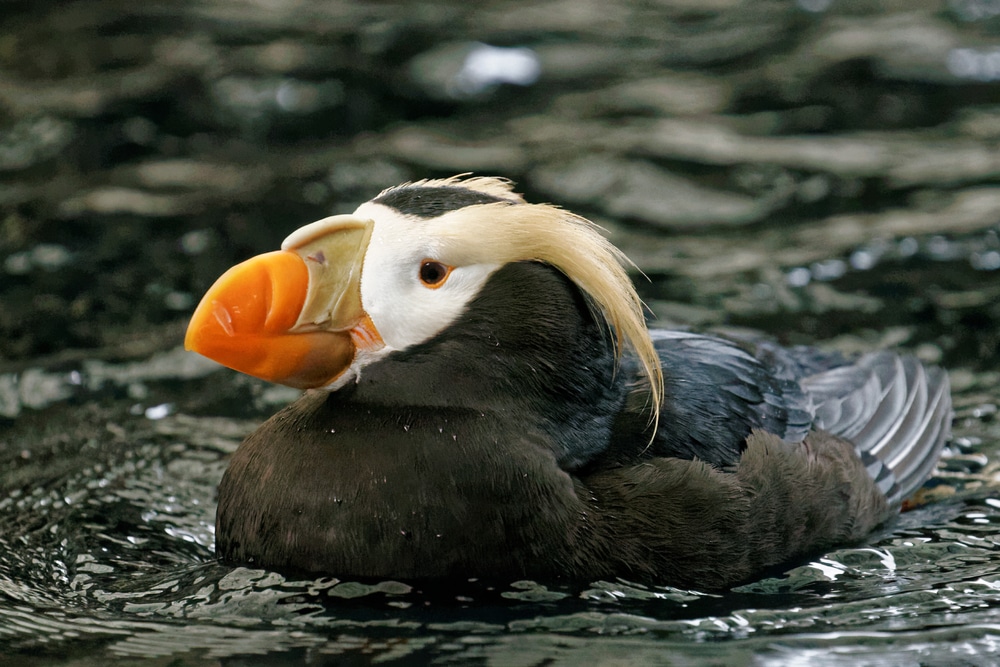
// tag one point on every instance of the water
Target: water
(106, 554)
(822, 172)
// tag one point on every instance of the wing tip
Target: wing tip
(897, 411)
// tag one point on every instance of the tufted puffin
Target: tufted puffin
(485, 400)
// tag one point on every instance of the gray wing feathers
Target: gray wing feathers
(930, 433)
(895, 411)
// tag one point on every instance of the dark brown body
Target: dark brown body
(408, 505)
(512, 445)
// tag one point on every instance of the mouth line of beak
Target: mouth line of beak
(365, 336)
(292, 316)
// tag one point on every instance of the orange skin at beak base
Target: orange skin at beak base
(244, 322)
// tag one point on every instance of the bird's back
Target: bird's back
(764, 454)
(892, 408)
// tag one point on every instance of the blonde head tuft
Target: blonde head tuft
(513, 230)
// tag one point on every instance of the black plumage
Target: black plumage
(514, 444)
(424, 201)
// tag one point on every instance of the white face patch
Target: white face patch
(403, 308)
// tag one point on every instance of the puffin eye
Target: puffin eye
(433, 274)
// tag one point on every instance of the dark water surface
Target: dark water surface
(826, 172)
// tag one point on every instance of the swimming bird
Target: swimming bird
(485, 400)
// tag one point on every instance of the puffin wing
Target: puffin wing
(715, 393)
(893, 409)
(896, 412)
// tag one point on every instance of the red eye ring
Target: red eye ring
(433, 274)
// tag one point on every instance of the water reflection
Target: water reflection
(119, 552)
(107, 538)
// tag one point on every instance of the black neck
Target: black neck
(529, 345)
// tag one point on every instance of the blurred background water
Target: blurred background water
(825, 171)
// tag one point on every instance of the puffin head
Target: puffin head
(345, 291)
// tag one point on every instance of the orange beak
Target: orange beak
(288, 316)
